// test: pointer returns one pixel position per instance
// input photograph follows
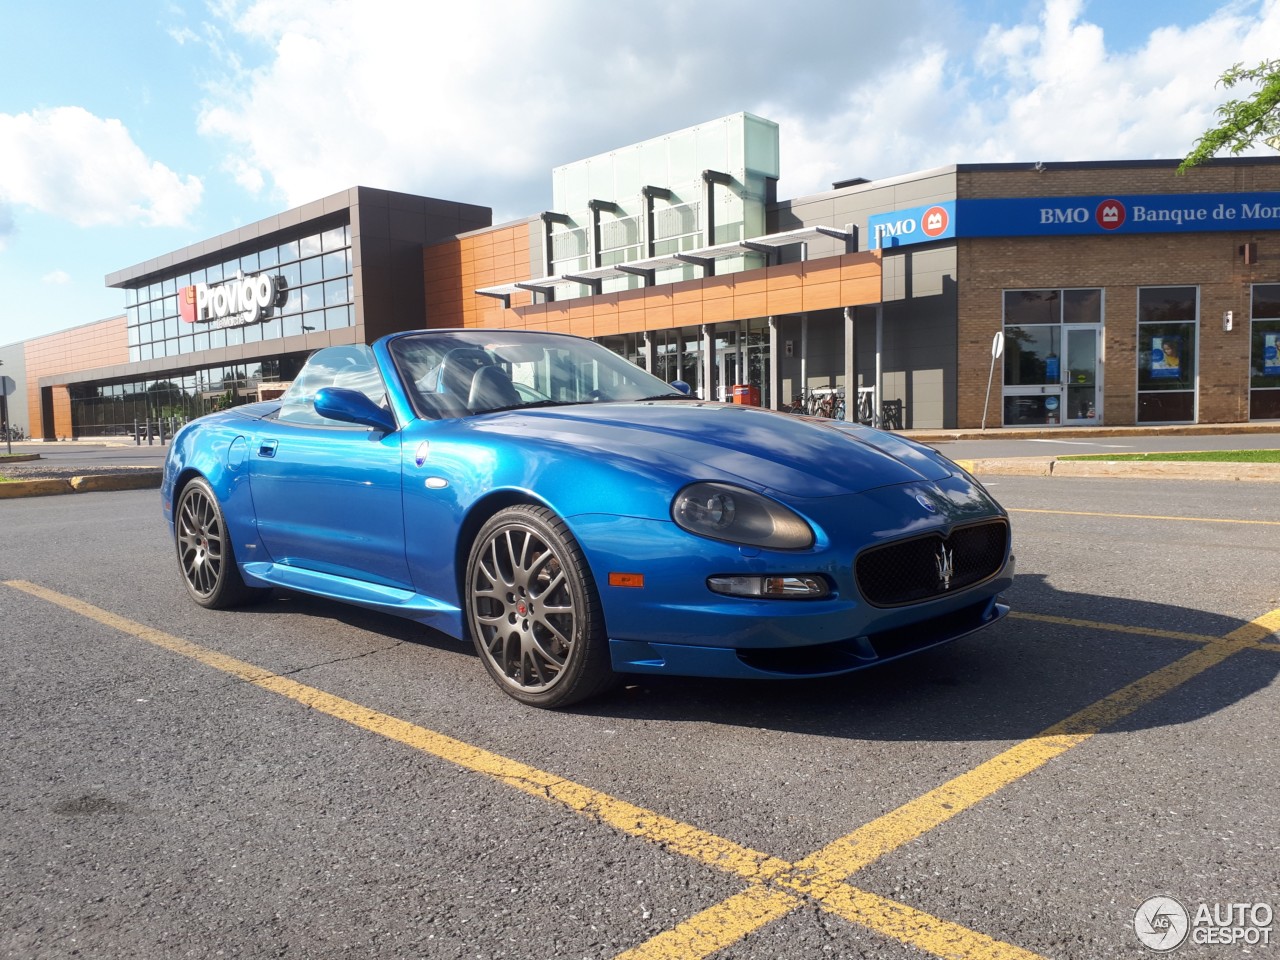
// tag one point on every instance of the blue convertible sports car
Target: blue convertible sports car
(578, 518)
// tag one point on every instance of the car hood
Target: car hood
(788, 455)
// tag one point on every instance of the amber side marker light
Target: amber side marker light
(626, 579)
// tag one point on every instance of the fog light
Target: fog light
(802, 587)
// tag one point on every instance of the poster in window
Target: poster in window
(1271, 354)
(1166, 357)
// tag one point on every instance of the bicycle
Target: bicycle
(825, 402)
(866, 413)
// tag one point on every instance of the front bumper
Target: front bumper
(819, 660)
(676, 625)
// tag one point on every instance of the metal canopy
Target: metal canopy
(702, 256)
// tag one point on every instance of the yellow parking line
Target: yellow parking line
(1143, 516)
(717, 927)
(918, 929)
(692, 842)
(872, 841)
(1257, 644)
(820, 874)
(773, 883)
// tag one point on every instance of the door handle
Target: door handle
(267, 448)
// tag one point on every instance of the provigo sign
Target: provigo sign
(237, 302)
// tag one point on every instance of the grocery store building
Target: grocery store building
(1118, 292)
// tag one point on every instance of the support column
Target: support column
(708, 363)
(850, 366)
(804, 353)
(775, 368)
(878, 396)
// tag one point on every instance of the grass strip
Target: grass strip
(1194, 456)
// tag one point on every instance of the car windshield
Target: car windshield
(454, 373)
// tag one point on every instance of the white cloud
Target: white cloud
(479, 101)
(70, 164)
(57, 278)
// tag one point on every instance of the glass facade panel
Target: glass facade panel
(1022, 307)
(1081, 306)
(1264, 353)
(1167, 348)
(117, 409)
(1031, 355)
(155, 327)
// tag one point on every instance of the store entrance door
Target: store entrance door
(1081, 376)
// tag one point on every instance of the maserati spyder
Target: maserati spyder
(578, 519)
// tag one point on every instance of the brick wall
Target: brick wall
(1120, 265)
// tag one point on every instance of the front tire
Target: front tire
(533, 609)
(206, 557)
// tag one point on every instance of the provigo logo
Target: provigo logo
(1110, 214)
(234, 303)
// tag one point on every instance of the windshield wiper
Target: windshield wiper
(664, 396)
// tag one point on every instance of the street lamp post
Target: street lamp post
(4, 410)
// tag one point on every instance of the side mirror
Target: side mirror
(681, 386)
(352, 406)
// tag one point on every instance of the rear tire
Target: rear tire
(533, 610)
(206, 557)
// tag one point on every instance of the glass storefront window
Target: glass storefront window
(1264, 353)
(1032, 355)
(1167, 346)
(1081, 306)
(1052, 347)
(1022, 307)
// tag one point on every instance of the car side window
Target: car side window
(351, 367)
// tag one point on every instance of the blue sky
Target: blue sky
(129, 130)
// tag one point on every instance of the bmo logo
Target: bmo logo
(934, 222)
(1110, 214)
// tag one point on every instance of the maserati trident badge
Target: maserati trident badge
(945, 562)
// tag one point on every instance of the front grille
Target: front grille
(910, 571)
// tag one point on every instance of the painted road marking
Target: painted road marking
(1141, 516)
(775, 886)
(1257, 644)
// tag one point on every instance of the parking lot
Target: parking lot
(301, 779)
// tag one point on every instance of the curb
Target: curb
(87, 484)
(1131, 469)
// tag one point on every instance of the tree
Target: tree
(1256, 119)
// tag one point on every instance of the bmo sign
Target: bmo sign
(914, 225)
(1115, 215)
(237, 302)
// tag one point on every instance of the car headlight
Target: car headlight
(738, 515)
